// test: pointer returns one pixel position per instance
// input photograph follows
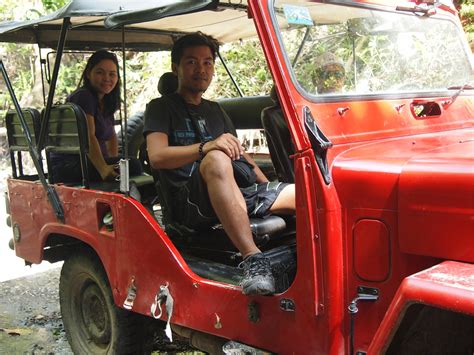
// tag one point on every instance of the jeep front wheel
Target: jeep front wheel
(93, 324)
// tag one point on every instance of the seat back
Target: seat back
(279, 140)
(17, 141)
(67, 134)
(167, 84)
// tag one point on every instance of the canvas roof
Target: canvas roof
(149, 25)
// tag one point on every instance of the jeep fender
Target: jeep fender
(446, 288)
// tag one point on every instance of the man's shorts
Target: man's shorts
(195, 210)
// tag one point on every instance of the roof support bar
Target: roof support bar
(52, 86)
(124, 165)
(230, 74)
(35, 156)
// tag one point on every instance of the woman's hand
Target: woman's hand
(227, 143)
(108, 173)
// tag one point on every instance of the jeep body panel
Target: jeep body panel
(143, 251)
(447, 286)
(427, 180)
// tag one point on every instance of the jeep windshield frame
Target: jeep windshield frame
(380, 52)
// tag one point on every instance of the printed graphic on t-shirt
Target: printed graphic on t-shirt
(203, 129)
(185, 136)
(189, 136)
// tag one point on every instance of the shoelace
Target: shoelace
(257, 267)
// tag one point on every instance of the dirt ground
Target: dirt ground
(30, 321)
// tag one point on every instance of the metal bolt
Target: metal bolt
(342, 110)
(399, 107)
(218, 324)
(16, 232)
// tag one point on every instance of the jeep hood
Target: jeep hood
(427, 180)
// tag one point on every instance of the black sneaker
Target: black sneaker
(258, 278)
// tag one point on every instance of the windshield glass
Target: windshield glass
(338, 50)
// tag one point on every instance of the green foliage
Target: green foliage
(53, 5)
(69, 74)
(6, 10)
(380, 53)
(19, 69)
(467, 18)
(247, 64)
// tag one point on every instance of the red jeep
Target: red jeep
(379, 257)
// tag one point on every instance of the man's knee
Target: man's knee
(285, 202)
(215, 164)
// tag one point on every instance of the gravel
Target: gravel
(30, 320)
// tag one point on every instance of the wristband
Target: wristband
(201, 152)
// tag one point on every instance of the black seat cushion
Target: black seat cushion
(168, 83)
(279, 141)
(213, 243)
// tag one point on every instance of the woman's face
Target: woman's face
(103, 77)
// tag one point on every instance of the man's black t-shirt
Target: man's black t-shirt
(170, 115)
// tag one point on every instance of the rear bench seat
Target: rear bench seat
(17, 142)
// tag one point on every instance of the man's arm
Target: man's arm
(162, 156)
(230, 145)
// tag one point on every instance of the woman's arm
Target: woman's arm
(112, 145)
(106, 172)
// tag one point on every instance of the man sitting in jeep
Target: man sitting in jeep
(194, 147)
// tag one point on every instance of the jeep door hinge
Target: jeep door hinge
(319, 142)
(363, 294)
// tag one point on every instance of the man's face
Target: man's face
(330, 79)
(195, 69)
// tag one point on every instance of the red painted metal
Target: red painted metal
(448, 285)
(440, 224)
(371, 240)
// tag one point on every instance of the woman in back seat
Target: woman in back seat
(99, 97)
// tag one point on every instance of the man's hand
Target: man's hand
(227, 143)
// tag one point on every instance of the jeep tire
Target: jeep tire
(93, 324)
(136, 141)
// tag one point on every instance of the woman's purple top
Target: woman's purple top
(104, 124)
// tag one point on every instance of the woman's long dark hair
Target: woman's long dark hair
(111, 100)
